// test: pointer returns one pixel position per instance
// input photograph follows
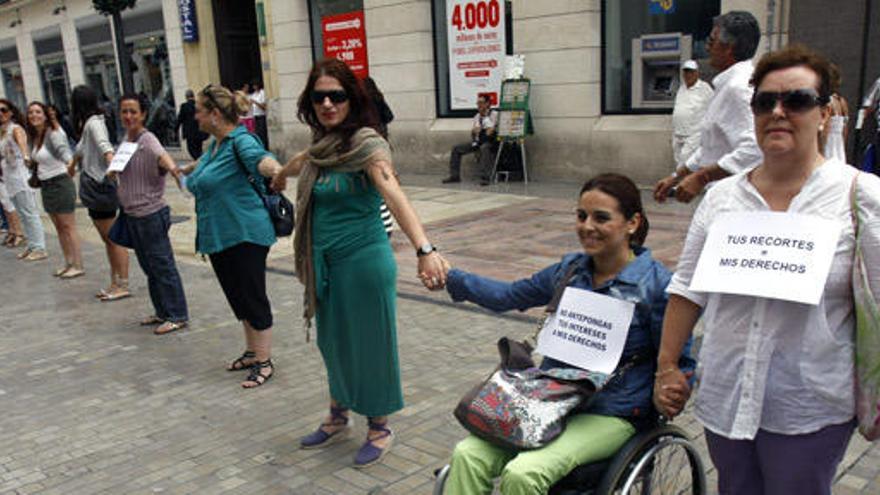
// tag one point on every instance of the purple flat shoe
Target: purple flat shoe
(369, 453)
(319, 438)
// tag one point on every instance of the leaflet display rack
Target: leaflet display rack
(514, 121)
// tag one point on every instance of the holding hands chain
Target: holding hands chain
(432, 270)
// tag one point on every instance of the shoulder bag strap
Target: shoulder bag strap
(247, 174)
(554, 301)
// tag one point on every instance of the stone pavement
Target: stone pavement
(94, 404)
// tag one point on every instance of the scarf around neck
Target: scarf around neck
(367, 148)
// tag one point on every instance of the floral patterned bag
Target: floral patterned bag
(522, 407)
(867, 337)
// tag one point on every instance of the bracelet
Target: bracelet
(661, 373)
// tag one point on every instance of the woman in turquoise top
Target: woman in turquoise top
(233, 226)
(344, 258)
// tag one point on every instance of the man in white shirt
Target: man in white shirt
(482, 136)
(727, 135)
(258, 107)
(691, 101)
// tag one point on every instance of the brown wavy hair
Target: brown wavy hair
(360, 109)
(36, 137)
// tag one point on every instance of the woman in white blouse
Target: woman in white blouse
(776, 377)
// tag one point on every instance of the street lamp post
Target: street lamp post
(114, 8)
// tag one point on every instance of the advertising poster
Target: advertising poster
(476, 50)
(345, 38)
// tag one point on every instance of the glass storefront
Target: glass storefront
(150, 68)
(13, 84)
(56, 85)
(624, 21)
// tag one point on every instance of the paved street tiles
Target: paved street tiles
(92, 403)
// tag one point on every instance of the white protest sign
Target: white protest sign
(477, 47)
(767, 254)
(122, 156)
(588, 330)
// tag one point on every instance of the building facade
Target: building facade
(583, 58)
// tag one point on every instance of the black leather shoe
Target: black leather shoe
(451, 180)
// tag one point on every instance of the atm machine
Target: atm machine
(656, 59)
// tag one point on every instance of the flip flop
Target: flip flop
(114, 296)
(151, 320)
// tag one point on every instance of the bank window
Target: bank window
(480, 63)
(643, 42)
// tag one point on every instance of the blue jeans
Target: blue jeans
(149, 235)
(26, 205)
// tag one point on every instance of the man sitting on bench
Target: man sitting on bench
(482, 137)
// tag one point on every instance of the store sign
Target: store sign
(345, 38)
(476, 39)
(661, 7)
(189, 25)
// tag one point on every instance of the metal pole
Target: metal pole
(123, 65)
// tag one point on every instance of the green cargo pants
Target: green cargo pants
(587, 438)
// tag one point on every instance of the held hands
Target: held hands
(71, 168)
(671, 391)
(662, 188)
(432, 271)
(690, 187)
(279, 181)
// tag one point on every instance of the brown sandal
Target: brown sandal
(169, 327)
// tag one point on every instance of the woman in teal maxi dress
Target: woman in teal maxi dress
(344, 258)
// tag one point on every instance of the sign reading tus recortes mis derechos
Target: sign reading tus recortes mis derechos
(476, 39)
(768, 254)
(345, 38)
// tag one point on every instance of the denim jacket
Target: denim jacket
(643, 282)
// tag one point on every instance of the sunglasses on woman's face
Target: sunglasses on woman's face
(4, 110)
(336, 96)
(795, 101)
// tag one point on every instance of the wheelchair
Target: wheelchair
(657, 461)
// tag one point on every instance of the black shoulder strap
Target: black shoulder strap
(560, 287)
(247, 174)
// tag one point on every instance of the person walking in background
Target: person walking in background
(247, 112)
(50, 153)
(148, 217)
(691, 101)
(727, 132)
(98, 194)
(836, 132)
(233, 226)
(343, 256)
(55, 115)
(258, 109)
(186, 120)
(16, 160)
(871, 107)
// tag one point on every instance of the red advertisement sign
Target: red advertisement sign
(345, 38)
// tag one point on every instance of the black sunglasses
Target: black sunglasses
(336, 96)
(795, 101)
(4, 110)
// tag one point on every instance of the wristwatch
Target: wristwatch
(425, 249)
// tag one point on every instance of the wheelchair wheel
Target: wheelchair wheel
(662, 462)
(440, 483)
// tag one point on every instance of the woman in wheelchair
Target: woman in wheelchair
(612, 226)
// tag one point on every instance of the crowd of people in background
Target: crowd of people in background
(778, 412)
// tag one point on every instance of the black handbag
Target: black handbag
(279, 207)
(119, 232)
